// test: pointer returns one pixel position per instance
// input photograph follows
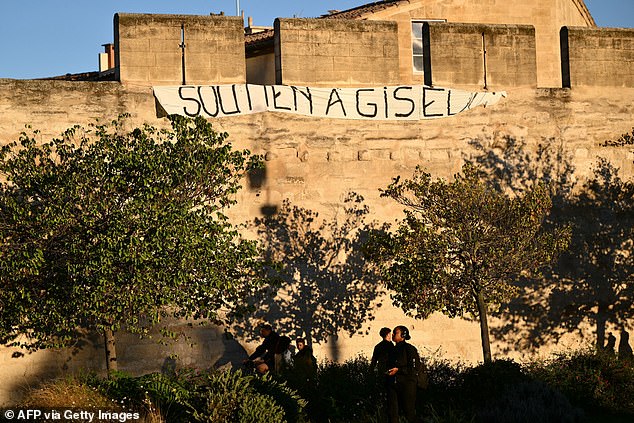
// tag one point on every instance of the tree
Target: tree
(103, 230)
(462, 244)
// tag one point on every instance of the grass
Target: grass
(70, 393)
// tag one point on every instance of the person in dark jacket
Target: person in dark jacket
(264, 356)
(625, 350)
(304, 362)
(381, 352)
(401, 387)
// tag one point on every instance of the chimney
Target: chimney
(106, 59)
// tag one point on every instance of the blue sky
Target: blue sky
(53, 37)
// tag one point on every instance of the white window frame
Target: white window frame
(417, 42)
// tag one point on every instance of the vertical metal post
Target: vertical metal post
(182, 47)
(484, 60)
(237, 7)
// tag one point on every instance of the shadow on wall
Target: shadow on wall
(22, 371)
(198, 346)
(593, 281)
(321, 284)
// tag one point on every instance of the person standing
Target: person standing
(625, 350)
(381, 352)
(264, 356)
(304, 362)
(401, 386)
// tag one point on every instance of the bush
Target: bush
(503, 392)
(346, 392)
(230, 397)
(490, 380)
(220, 397)
(75, 393)
(528, 402)
(445, 379)
(590, 379)
(66, 393)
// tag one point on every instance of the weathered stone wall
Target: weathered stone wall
(344, 52)
(314, 162)
(598, 57)
(466, 54)
(261, 69)
(148, 52)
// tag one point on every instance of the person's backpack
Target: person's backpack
(422, 376)
(283, 342)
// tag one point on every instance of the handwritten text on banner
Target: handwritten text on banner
(404, 102)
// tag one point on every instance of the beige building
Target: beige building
(568, 85)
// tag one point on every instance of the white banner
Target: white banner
(404, 102)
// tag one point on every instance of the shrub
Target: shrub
(75, 393)
(188, 395)
(590, 379)
(66, 392)
(528, 402)
(230, 397)
(489, 380)
(345, 392)
(445, 379)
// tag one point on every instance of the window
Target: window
(417, 42)
(417, 45)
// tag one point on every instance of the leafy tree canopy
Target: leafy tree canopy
(103, 229)
(462, 245)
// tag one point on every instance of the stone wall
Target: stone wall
(261, 69)
(467, 54)
(322, 52)
(200, 347)
(314, 163)
(597, 57)
(148, 52)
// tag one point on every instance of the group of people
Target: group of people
(398, 364)
(274, 355)
(397, 361)
(625, 350)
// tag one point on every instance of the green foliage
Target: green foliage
(527, 402)
(463, 244)
(346, 392)
(460, 239)
(219, 397)
(171, 395)
(231, 397)
(590, 379)
(500, 391)
(285, 396)
(103, 228)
